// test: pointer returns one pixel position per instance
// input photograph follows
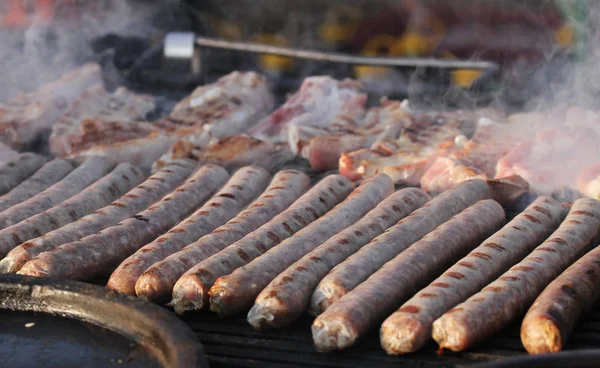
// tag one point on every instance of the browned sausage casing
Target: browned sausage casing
(285, 299)
(245, 185)
(313, 204)
(85, 174)
(230, 294)
(285, 188)
(48, 175)
(409, 328)
(508, 297)
(359, 266)
(17, 169)
(100, 253)
(98, 194)
(134, 201)
(554, 314)
(348, 319)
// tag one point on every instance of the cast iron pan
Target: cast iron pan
(589, 358)
(59, 323)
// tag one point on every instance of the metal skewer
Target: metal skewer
(345, 58)
(183, 45)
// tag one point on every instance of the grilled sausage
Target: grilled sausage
(284, 189)
(17, 169)
(134, 201)
(100, 253)
(409, 328)
(88, 172)
(350, 318)
(285, 299)
(508, 297)
(230, 294)
(313, 204)
(359, 266)
(245, 185)
(41, 180)
(554, 314)
(287, 186)
(96, 195)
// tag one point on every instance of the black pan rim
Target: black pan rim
(168, 338)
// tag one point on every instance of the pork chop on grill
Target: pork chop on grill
(323, 119)
(29, 116)
(101, 117)
(481, 156)
(553, 158)
(324, 150)
(408, 146)
(225, 108)
(228, 107)
(476, 158)
(236, 151)
(322, 106)
(557, 150)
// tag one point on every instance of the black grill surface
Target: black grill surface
(232, 342)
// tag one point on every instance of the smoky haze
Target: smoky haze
(561, 156)
(42, 52)
(578, 84)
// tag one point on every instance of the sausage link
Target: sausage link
(409, 328)
(230, 294)
(88, 172)
(198, 280)
(509, 296)
(285, 299)
(103, 191)
(554, 314)
(245, 185)
(286, 187)
(17, 169)
(344, 322)
(134, 201)
(100, 253)
(48, 175)
(359, 266)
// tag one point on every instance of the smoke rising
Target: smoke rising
(562, 155)
(42, 52)
(578, 83)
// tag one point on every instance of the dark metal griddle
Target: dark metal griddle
(42, 340)
(232, 342)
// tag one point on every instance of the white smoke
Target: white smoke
(43, 52)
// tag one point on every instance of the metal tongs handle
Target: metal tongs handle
(180, 45)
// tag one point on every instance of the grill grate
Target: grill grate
(232, 342)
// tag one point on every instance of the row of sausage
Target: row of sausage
(447, 267)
